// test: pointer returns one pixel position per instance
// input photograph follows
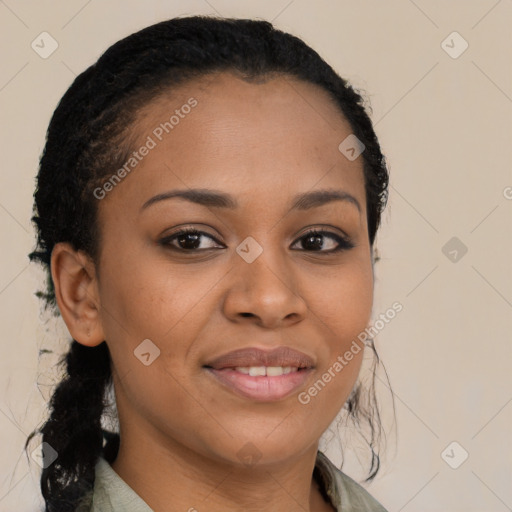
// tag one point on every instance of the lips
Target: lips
(247, 357)
(262, 375)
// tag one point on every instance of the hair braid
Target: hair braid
(74, 428)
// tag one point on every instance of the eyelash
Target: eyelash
(343, 242)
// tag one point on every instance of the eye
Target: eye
(312, 241)
(187, 240)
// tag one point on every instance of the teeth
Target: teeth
(255, 371)
(274, 371)
(269, 371)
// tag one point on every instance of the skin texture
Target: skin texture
(181, 430)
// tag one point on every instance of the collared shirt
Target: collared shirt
(112, 494)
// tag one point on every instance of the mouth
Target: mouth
(262, 375)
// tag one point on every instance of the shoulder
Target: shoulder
(111, 493)
(346, 493)
(355, 497)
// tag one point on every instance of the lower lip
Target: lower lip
(262, 388)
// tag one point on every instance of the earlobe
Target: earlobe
(76, 292)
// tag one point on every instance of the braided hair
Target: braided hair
(89, 135)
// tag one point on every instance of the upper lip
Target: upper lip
(252, 356)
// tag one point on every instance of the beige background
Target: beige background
(445, 125)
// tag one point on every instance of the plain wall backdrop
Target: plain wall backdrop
(439, 78)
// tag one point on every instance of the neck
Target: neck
(164, 474)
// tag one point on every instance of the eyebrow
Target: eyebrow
(217, 199)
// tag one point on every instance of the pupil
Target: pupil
(315, 238)
(186, 236)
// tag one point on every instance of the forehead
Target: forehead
(249, 138)
(269, 105)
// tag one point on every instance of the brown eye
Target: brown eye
(187, 240)
(313, 241)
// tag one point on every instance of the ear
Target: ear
(76, 292)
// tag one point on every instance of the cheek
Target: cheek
(343, 309)
(344, 302)
(328, 393)
(147, 298)
(150, 300)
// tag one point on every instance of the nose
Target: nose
(265, 292)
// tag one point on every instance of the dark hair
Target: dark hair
(89, 135)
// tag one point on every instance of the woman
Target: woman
(206, 206)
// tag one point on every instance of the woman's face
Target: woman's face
(252, 279)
